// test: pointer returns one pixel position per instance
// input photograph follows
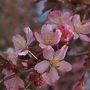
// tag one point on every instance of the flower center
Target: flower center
(48, 40)
(58, 20)
(54, 62)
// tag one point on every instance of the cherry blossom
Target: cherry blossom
(54, 62)
(15, 83)
(20, 43)
(43, 62)
(48, 37)
(55, 17)
(58, 17)
(81, 30)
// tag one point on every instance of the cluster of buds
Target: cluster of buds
(40, 58)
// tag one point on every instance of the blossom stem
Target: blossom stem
(33, 55)
(29, 83)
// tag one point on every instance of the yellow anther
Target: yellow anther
(54, 62)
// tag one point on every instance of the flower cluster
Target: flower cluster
(41, 56)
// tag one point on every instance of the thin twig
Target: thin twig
(33, 55)
(29, 83)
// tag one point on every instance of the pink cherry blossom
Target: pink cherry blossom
(15, 83)
(67, 32)
(58, 17)
(81, 30)
(48, 36)
(54, 62)
(20, 43)
(55, 16)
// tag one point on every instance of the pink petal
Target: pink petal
(51, 77)
(53, 74)
(57, 36)
(66, 19)
(47, 31)
(76, 36)
(46, 78)
(60, 54)
(43, 46)
(19, 42)
(84, 38)
(65, 66)
(42, 66)
(86, 28)
(39, 37)
(48, 53)
(55, 17)
(29, 35)
(78, 26)
(66, 15)
(76, 19)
